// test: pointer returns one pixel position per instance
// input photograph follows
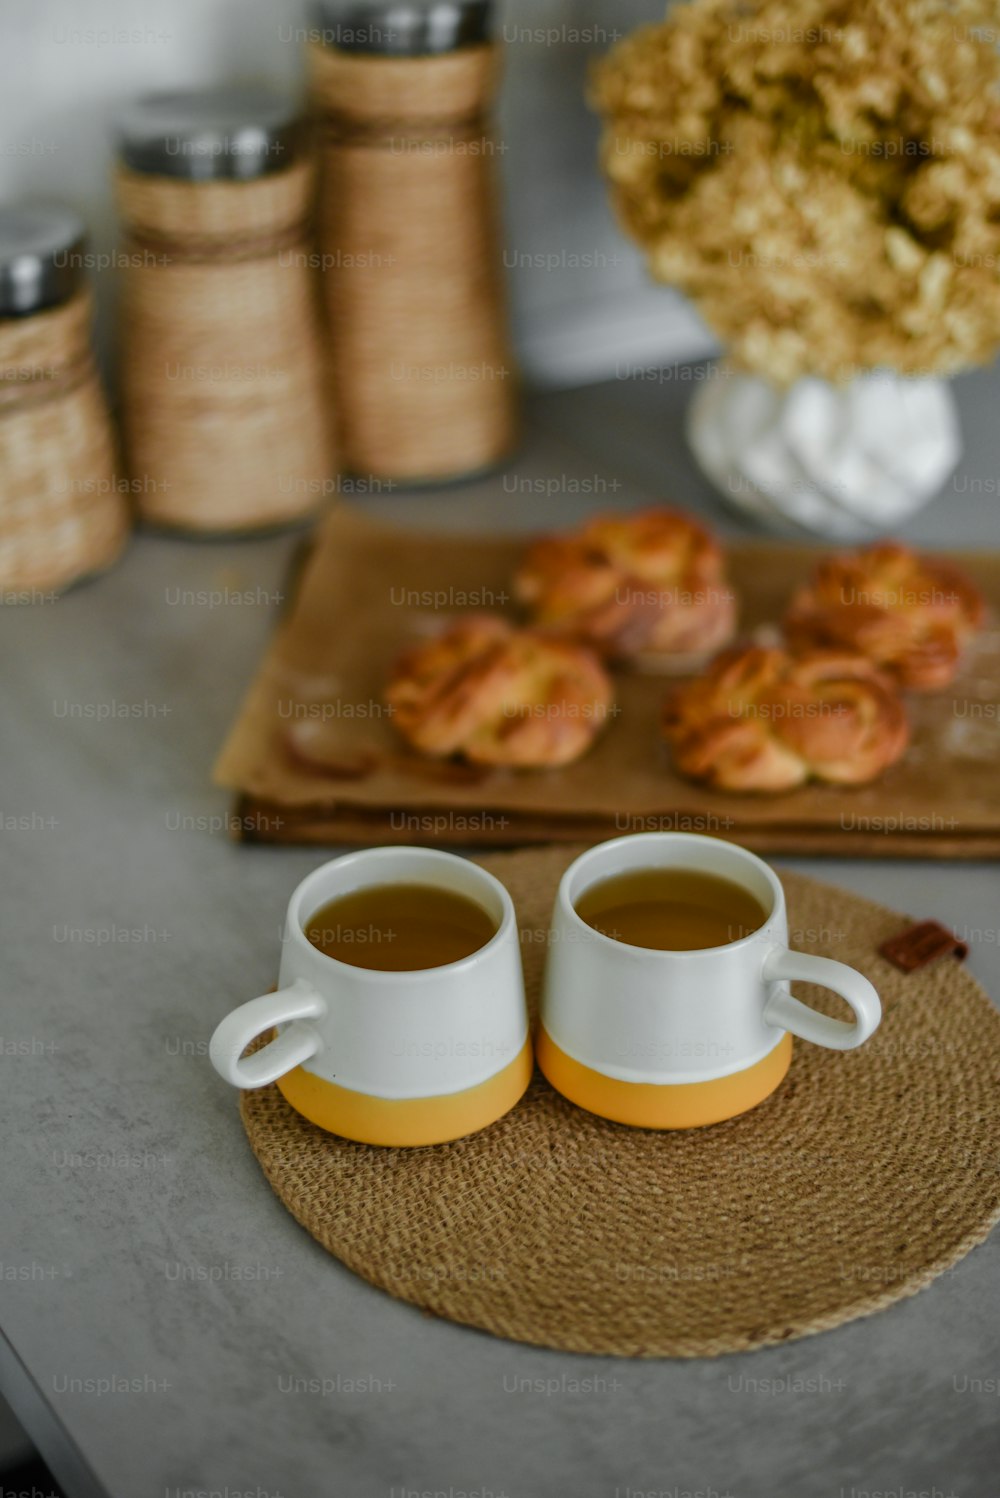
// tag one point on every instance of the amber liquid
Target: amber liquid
(671, 910)
(399, 928)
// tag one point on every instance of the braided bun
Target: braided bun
(909, 614)
(496, 695)
(762, 720)
(653, 581)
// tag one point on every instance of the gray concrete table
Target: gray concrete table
(167, 1327)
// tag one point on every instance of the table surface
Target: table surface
(158, 1304)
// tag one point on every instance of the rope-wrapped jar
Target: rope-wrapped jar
(410, 236)
(62, 511)
(225, 405)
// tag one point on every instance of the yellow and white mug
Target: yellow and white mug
(672, 1040)
(392, 1058)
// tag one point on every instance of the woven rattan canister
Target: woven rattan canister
(410, 237)
(62, 512)
(224, 396)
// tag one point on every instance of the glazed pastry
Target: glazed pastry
(762, 720)
(909, 614)
(496, 695)
(653, 581)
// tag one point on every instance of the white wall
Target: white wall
(582, 305)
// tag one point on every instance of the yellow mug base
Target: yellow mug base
(651, 1105)
(407, 1121)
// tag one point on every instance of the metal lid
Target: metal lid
(403, 28)
(210, 135)
(41, 256)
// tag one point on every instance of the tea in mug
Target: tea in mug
(398, 928)
(671, 910)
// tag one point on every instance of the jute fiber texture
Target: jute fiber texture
(224, 389)
(410, 238)
(863, 1177)
(62, 512)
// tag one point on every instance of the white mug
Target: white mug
(398, 1058)
(664, 1039)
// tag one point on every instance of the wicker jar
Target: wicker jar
(62, 513)
(224, 406)
(410, 237)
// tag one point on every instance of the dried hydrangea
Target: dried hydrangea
(821, 178)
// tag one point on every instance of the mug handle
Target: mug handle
(299, 1001)
(784, 1012)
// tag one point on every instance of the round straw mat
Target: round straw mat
(866, 1175)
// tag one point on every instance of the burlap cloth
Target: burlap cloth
(865, 1176)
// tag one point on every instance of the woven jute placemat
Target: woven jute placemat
(866, 1175)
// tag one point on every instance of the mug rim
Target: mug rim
(294, 927)
(684, 838)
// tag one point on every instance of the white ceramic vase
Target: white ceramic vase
(840, 461)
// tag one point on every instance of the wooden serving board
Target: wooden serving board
(314, 757)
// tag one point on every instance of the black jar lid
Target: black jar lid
(403, 28)
(41, 256)
(210, 135)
